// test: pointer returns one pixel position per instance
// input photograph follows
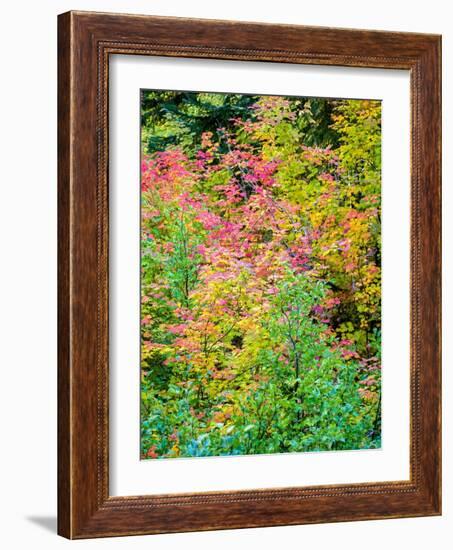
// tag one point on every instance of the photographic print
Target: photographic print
(260, 274)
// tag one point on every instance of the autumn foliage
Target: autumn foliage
(260, 304)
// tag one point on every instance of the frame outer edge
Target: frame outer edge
(434, 175)
(439, 161)
(65, 488)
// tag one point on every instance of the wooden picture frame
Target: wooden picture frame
(85, 41)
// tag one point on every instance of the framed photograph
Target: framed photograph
(249, 275)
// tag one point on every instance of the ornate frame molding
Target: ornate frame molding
(86, 40)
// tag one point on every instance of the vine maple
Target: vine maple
(260, 274)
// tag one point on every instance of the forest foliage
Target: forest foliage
(260, 274)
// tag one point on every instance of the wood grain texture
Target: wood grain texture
(64, 367)
(85, 42)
